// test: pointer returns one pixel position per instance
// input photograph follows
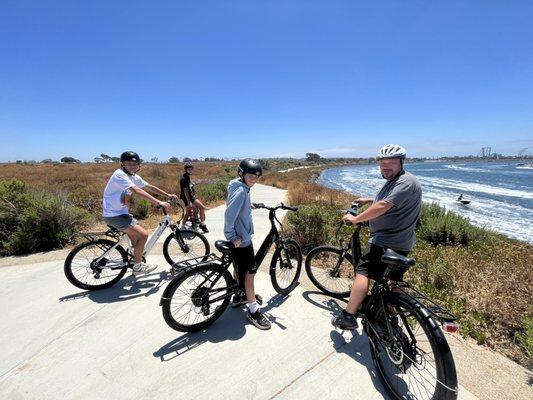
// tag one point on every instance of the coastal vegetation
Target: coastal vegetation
(482, 276)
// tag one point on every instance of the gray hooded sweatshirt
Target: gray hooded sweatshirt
(238, 216)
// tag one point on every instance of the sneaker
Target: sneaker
(203, 227)
(239, 299)
(259, 320)
(345, 321)
(143, 268)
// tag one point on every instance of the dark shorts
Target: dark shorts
(121, 222)
(371, 265)
(187, 203)
(244, 259)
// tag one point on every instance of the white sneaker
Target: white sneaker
(142, 268)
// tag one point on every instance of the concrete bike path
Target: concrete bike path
(57, 341)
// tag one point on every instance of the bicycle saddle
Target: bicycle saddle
(391, 257)
(224, 246)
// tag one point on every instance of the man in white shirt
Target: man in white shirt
(119, 188)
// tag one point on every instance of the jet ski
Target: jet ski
(463, 200)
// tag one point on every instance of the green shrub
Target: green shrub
(214, 191)
(525, 337)
(441, 227)
(139, 207)
(313, 225)
(33, 221)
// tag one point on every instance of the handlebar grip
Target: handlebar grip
(259, 205)
(352, 212)
(294, 208)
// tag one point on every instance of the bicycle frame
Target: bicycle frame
(152, 239)
(270, 239)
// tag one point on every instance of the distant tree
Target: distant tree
(98, 159)
(154, 159)
(19, 161)
(264, 163)
(115, 159)
(47, 161)
(186, 159)
(69, 160)
(105, 157)
(173, 160)
(312, 157)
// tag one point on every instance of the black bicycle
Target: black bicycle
(100, 260)
(202, 289)
(331, 268)
(408, 346)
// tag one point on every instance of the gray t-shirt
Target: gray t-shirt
(396, 228)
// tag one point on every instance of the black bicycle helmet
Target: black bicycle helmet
(249, 166)
(130, 156)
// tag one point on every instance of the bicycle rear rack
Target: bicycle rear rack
(194, 262)
(437, 311)
(91, 236)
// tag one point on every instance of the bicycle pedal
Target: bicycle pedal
(259, 299)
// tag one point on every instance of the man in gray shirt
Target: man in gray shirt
(392, 216)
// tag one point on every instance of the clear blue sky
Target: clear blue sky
(263, 77)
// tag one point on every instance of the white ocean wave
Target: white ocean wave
(493, 207)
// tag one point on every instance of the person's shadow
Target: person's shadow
(230, 326)
(356, 345)
(127, 288)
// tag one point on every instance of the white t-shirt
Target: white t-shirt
(117, 191)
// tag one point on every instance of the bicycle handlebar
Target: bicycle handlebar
(279, 206)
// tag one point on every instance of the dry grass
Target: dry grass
(85, 183)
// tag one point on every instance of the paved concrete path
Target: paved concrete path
(59, 342)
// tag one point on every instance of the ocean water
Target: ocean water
(501, 193)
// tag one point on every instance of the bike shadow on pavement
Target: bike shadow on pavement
(127, 288)
(330, 305)
(352, 343)
(230, 326)
(274, 302)
(357, 346)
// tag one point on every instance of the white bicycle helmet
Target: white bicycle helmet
(391, 151)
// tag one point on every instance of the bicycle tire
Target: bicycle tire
(86, 271)
(170, 301)
(173, 252)
(415, 362)
(283, 274)
(319, 265)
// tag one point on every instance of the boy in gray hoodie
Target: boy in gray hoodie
(239, 228)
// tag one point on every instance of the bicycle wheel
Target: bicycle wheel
(329, 272)
(415, 362)
(194, 245)
(186, 299)
(286, 266)
(83, 271)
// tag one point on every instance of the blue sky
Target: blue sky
(264, 77)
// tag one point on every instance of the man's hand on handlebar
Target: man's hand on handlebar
(173, 197)
(349, 218)
(237, 241)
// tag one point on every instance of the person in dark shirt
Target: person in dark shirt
(188, 195)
